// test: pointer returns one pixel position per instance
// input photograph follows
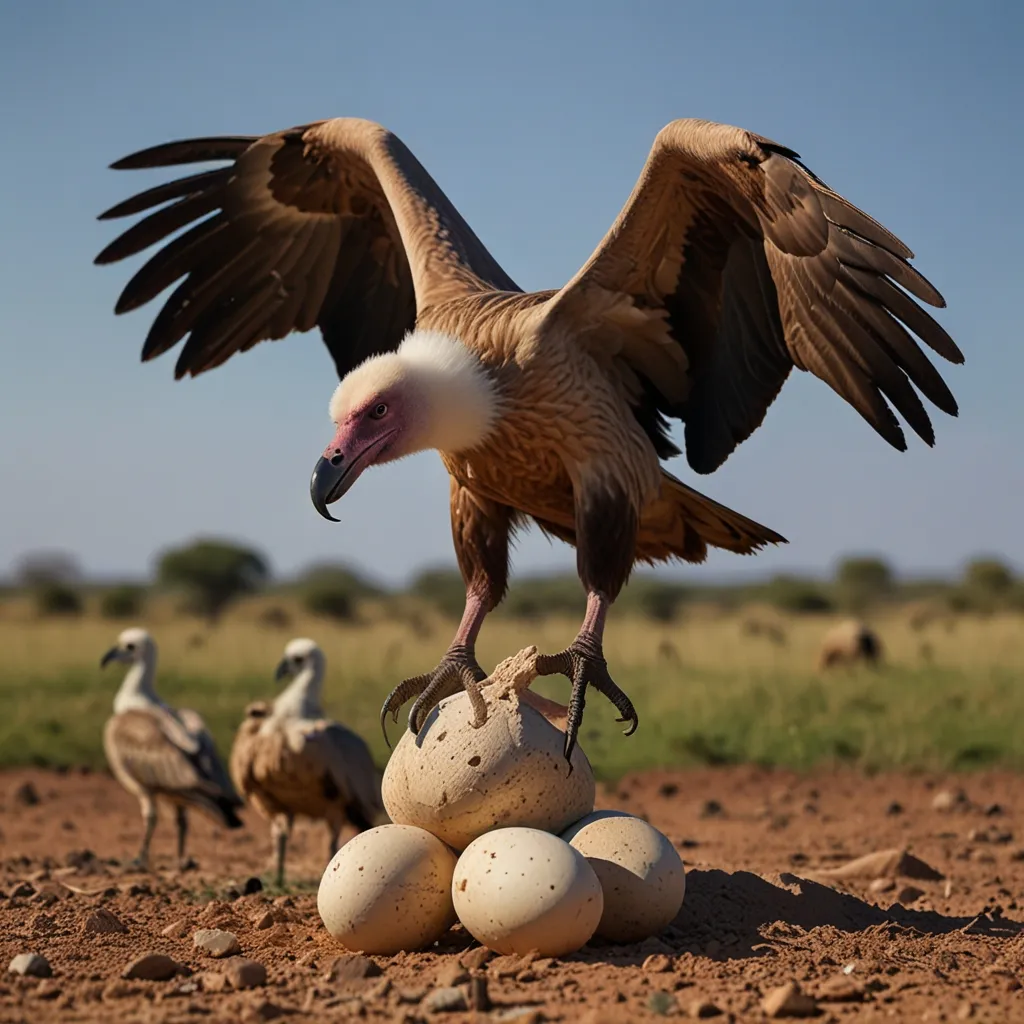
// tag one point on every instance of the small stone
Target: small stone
(508, 966)
(965, 1011)
(103, 922)
(151, 967)
(30, 965)
(788, 1001)
(657, 963)
(661, 1003)
(993, 810)
(411, 995)
(711, 809)
(701, 1009)
(351, 967)
(474, 959)
(216, 943)
(243, 973)
(23, 890)
(452, 974)
(840, 989)
(26, 795)
(949, 799)
(668, 789)
(213, 981)
(909, 894)
(881, 885)
(252, 885)
(446, 1000)
(894, 808)
(264, 921)
(177, 930)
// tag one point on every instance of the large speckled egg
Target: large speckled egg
(521, 889)
(641, 873)
(387, 890)
(458, 781)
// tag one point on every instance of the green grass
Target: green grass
(951, 695)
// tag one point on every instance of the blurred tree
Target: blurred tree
(41, 567)
(988, 576)
(534, 597)
(213, 573)
(862, 581)
(792, 594)
(443, 588)
(122, 602)
(57, 599)
(342, 578)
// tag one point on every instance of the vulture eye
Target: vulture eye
(379, 411)
(129, 648)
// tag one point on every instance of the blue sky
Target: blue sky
(535, 118)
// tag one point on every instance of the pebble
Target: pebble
(351, 967)
(840, 989)
(657, 963)
(103, 922)
(177, 930)
(30, 965)
(216, 943)
(451, 974)
(252, 885)
(788, 1001)
(701, 1009)
(23, 890)
(446, 1000)
(711, 809)
(476, 958)
(151, 967)
(264, 921)
(243, 973)
(26, 795)
(949, 799)
(213, 981)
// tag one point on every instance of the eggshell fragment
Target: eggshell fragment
(459, 781)
(388, 889)
(641, 873)
(521, 889)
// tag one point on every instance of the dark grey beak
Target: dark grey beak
(283, 670)
(110, 656)
(329, 482)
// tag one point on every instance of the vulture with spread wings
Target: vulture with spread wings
(730, 264)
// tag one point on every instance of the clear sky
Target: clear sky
(535, 118)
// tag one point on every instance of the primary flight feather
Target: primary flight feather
(730, 264)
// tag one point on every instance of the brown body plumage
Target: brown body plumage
(730, 264)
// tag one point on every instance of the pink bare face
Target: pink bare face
(366, 436)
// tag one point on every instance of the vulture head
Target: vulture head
(299, 654)
(432, 392)
(133, 646)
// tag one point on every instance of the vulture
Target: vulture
(289, 760)
(730, 264)
(156, 751)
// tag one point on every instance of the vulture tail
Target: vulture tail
(683, 523)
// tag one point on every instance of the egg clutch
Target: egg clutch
(491, 830)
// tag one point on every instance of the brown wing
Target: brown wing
(332, 224)
(730, 264)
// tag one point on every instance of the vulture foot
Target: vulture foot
(458, 670)
(582, 662)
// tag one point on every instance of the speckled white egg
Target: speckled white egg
(459, 782)
(641, 873)
(521, 889)
(387, 890)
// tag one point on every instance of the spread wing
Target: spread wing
(730, 264)
(332, 224)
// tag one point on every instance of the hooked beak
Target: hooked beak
(110, 656)
(282, 671)
(335, 473)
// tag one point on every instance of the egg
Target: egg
(387, 890)
(459, 781)
(641, 873)
(521, 889)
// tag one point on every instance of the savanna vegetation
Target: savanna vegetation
(718, 674)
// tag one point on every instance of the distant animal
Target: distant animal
(769, 630)
(288, 760)
(848, 643)
(730, 264)
(161, 754)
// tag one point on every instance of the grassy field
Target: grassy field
(714, 687)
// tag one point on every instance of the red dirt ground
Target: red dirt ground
(758, 913)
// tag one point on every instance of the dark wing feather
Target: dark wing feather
(755, 266)
(333, 224)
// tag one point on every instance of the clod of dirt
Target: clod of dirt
(788, 1001)
(702, 1009)
(450, 975)
(885, 864)
(177, 930)
(242, 973)
(25, 795)
(657, 963)
(909, 894)
(30, 965)
(446, 1000)
(474, 959)
(252, 885)
(103, 922)
(216, 943)
(950, 800)
(711, 809)
(351, 967)
(263, 921)
(151, 967)
(479, 997)
(23, 890)
(840, 989)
